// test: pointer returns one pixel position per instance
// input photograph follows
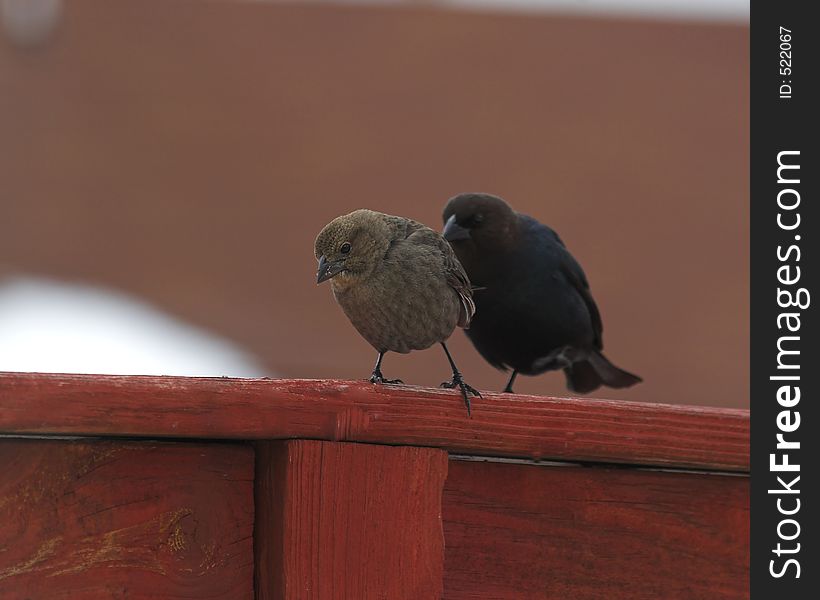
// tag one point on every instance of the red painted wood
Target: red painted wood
(502, 424)
(523, 532)
(269, 493)
(349, 521)
(125, 520)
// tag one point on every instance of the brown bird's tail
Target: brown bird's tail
(586, 375)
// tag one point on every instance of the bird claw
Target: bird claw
(380, 379)
(465, 388)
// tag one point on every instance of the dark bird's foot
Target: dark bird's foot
(508, 389)
(465, 388)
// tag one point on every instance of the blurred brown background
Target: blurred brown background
(188, 152)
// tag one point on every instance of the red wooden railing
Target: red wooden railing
(359, 491)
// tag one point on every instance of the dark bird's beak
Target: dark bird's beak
(454, 232)
(328, 269)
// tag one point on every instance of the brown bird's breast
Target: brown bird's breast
(404, 305)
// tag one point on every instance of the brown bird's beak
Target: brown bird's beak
(328, 269)
(454, 232)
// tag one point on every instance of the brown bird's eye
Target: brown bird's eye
(345, 248)
(478, 218)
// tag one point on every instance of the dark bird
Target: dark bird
(400, 284)
(534, 310)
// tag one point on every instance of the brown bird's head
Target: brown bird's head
(482, 220)
(350, 246)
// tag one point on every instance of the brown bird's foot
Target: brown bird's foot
(465, 388)
(379, 378)
(459, 381)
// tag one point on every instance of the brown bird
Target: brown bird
(535, 311)
(400, 284)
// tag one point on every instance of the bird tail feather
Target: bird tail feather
(584, 376)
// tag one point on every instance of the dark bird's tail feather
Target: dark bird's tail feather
(587, 375)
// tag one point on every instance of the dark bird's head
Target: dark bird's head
(480, 220)
(350, 247)
(480, 228)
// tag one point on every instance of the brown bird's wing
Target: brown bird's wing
(405, 229)
(457, 278)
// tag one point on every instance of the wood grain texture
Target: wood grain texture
(502, 425)
(350, 521)
(109, 519)
(525, 532)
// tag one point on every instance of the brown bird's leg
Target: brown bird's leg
(459, 381)
(377, 376)
(508, 389)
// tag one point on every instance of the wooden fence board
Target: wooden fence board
(502, 424)
(523, 532)
(119, 519)
(350, 521)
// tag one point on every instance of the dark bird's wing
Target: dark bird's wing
(578, 280)
(554, 247)
(456, 276)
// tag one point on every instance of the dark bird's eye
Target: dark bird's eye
(478, 218)
(345, 248)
